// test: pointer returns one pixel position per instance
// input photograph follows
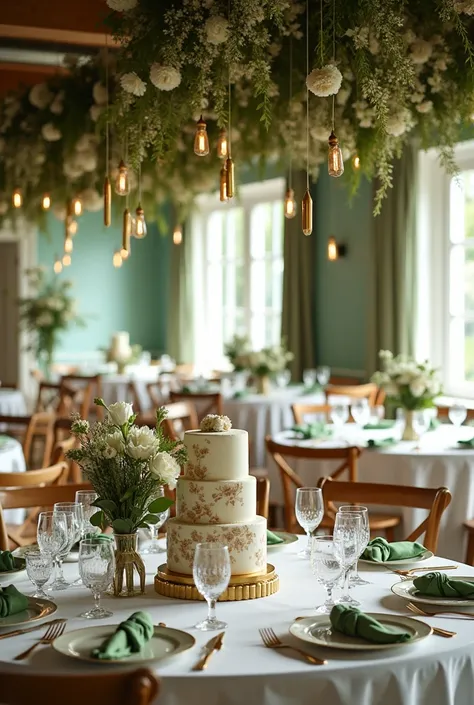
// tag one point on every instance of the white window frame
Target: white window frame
(433, 243)
(249, 195)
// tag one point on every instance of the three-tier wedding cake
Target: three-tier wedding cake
(216, 501)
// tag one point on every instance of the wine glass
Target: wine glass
(377, 413)
(77, 511)
(400, 420)
(363, 512)
(283, 378)
(96, 566)
(154, 546)
(59, 582)
(39, 567)
(53, 537)
(421, 424)
(360, 411)
(326, 566)
(309, 511)
(339, 414)
(211, 573)
(86, 497)
(348, 534)
(323, 373)
(309, 378)
(457, 414)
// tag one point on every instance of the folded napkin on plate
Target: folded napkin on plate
(381, 443)
(311, 390)
(379, 425)
(273, 539)
(379, 549)
(12, 601)
(439, 585)
(352, 622)
(7, 561)
(310, 430)
(241, 394)
(129, 638)
(467, 444)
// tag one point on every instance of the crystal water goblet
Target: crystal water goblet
(360, 411)
(76, 509)
(96, 567)
(153, 546)
(348, 534)
(421, 424)
(323, 373)
(86, 498)
(59, 582)
(363, 512)
(39, 567)
(400, 420)
(283, 378)
(309, 378)
(53, 536)
(211, 573)
(326, 567)
(309, 510)
(339, 414)
(457, 414)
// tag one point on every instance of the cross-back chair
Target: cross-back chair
(443, 414)
(263, 496)
(87, 388)
(55, 397)
(434, 500)
(159, 391)
(205, 402)
(368, 391)
(182, 416)
(318, 411)
(30, 429)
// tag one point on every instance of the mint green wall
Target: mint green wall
(133, 298)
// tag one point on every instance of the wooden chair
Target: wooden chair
(88, 387)
(40, 426)
(263, 496)
(206, 402)
(346, 381)
(354, 391)
(58, 455)
(434, 500)
(114, 688)
(57, 398)
(348, 458)
(32, 498)
(443, 414)
(469, 526)
(300, 411)
(182, 416)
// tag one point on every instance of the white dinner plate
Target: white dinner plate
(37, 609)
(408, 591)
(164, 643)
(72, 556)
(317, 630)
(407, 561)
(287, 539)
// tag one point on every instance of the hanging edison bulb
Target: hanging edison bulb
(230, 177)
(107, 202)
(66, 260)
(117, 259)
(307, 213)
(71, 226)
(201, 140)
(177, 235)
(17, 198)
(68, 246)
(222, 144)
(140, 229)
(122, 182)
(223, 184)
(126, 232)
(46, 202)
(333, 252)
(335, 160)
(356, 161)
(77, 206)
(57, 266)
(289, 204)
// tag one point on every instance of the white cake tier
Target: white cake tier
(217, 456)
(216, 501)
(247, 544)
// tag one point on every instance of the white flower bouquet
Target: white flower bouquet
(127, 465)
(269, 361)
(237, 351)
(412, 385)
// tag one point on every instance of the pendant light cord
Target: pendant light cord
(333, 53)
(307, 95)
(290, 165)
(229, 123)
(107, 106)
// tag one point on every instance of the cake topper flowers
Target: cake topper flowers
(214, 423)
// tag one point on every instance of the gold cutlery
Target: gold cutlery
(440, 632)
(271, 641)
(419, 610)
(215, 644)
(53, 631)
(17, 632)
(419, 570)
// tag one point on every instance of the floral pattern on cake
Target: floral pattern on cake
(238, 539)
(231, 494)
(202, 512)
(197, 470)
(198, 514)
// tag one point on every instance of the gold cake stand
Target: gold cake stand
(241, 587)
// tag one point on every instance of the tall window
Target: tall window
(241, 266)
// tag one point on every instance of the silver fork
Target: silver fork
(271, 641)
(53, 631)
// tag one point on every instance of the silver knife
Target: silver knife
(17, 632)
(215, 644)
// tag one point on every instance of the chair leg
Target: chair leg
(390, 534)
(470, 549)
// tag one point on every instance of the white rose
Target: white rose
(165, 468)
(417, 387)
(40, 96)
(131, 83)
(141, 443)
(115, 441)
(122, 5)
(50, 132)
(57, 106)
(99, 92)
(166, 78)
(217, 29)
(421, 51)
(120, 412)
(325, 81)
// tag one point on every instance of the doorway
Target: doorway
(9, 314)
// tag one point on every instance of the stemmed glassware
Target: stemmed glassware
(421, 424)
(53, 537)
(360, 411)
(326, 566)
(309, 378)
(86, 497)
(39, 566)
(363, 512)
(309, 510)
(96, 567)
(69, 512)
(323, 373)
(283, 378)
(211, 573)
(457, 414)
(348, 535)
(154, 546)
(339, 414)
(77, 528)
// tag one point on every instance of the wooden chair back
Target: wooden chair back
(434, 500)
(182, 416)
(367, 391)
(113, 688)
(58, 455)
(263, 496)
(88, 387)
(41, 425)
(443, 414)
(54, 474)
(345, 381)
(347, 458)
(205, 402)
(57, 398)
(15, 426)
(301, 411)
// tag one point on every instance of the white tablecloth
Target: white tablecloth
(12, 460)
(435, 671)
(439, 462)
(115, 387)
(12, 402)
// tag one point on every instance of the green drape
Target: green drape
(394, 250)
(298, 294)
(180, 333)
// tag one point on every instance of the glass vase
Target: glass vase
(263, 384)
(127, 561)
(409, 433)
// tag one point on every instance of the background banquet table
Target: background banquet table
(12, 460)
(116, 387)
(439, 462)
(435, 671)
(12, 403)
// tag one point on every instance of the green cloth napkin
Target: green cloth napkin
(240, 395)
(129, 638)
(467, 444)
(273, 539)
(379, 549)
(434, 424)
(381, 443)
(7, 561)
(311, 390)
(352, 622)
(12, 601)
(383, 424)
(439, 585)
(311, 430)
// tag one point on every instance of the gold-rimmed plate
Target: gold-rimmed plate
(287, 540)
(164, 643)
(407, 561)
(37, 609)
(407, 590)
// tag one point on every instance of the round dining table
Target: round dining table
(434, 671)
(12, 460)
(438, 460)
(12, 402)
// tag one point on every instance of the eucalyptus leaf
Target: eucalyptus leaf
(160, 505)
(106, 504)
(151, 519)
(97, 519)
(122, 526)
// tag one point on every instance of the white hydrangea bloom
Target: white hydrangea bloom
(40, 96)
(165, 78)
(86, 142)
(399, 123)
(99, 93)
(122, 5)
(88, 160)
(50, 132)
(217, 29)
(214, 423)
(320, 133)
(91, 200)
(324, 82)
(436, 82)
(425, 107)
(420, 51)
(132, 83)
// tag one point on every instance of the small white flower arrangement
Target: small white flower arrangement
(132, 83)
(215, 423)
(324, 82)
(217, 29)
(165, 78)
(412, 385)
(127, 465)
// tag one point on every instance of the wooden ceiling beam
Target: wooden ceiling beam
(55, 36)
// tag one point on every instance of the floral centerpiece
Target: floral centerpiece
(237, 351)
(128, 466)
(410, 384)
(46, 313)
(265, 363)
